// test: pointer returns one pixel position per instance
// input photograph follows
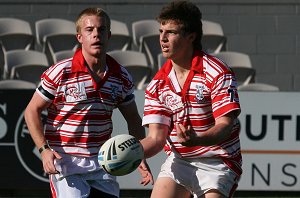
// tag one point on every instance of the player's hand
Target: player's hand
(48, 157)
(145, 172)
(186, 135)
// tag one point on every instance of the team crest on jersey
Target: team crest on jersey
(75, 92)
(173, 101)
(199, 94)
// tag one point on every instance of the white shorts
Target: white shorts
(79, 185)
(201, 175)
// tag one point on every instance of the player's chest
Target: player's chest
(196, 94)
(84, 88)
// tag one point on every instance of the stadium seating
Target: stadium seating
(145, 35)
(29, 73)
(17, 60)
(150, 46)
(213, 39)
(54, 35)
(120, 38)
(141, 28)
(136, 64)
(16, 84)
(63, 55)
(14, 34)
(258, 87)
(57, 40)
(240, 64)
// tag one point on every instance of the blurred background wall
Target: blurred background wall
(267, 30)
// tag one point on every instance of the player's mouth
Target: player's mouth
(164, 48)
(97, 44)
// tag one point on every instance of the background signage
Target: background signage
(270, 140)
(20, 162)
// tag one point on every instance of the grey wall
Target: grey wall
(267, 30)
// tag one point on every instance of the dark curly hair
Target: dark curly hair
(187, 14)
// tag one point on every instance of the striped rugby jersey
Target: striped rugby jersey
(208, 93)
(79, 117)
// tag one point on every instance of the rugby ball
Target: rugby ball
(120, 155)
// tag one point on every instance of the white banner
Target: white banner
(270, 140)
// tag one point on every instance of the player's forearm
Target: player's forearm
(155, 140)
(214, 135)
(35, 126)
(151, 146)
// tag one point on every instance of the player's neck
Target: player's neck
(183, 61)
(96, 65)
(97, 68)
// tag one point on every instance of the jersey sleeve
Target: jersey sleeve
(224, 95)
(155, 111)
(128, 87)
(49, 83)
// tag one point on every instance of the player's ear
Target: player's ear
(192, 36)
(79, 38)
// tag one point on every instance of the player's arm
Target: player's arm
(216, 134)
(155, 140)
(135, 128)
(133, 119)
(33, 120)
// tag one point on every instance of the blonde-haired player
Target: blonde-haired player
(80, 94)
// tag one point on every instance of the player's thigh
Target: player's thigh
(167, 188)
(103, 183)
(213, 194)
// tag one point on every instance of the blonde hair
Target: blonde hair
(92, 12)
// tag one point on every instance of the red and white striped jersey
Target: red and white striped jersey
(208, 93)
(80, 115)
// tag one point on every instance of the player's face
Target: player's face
(173, 41)
(94, 35)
